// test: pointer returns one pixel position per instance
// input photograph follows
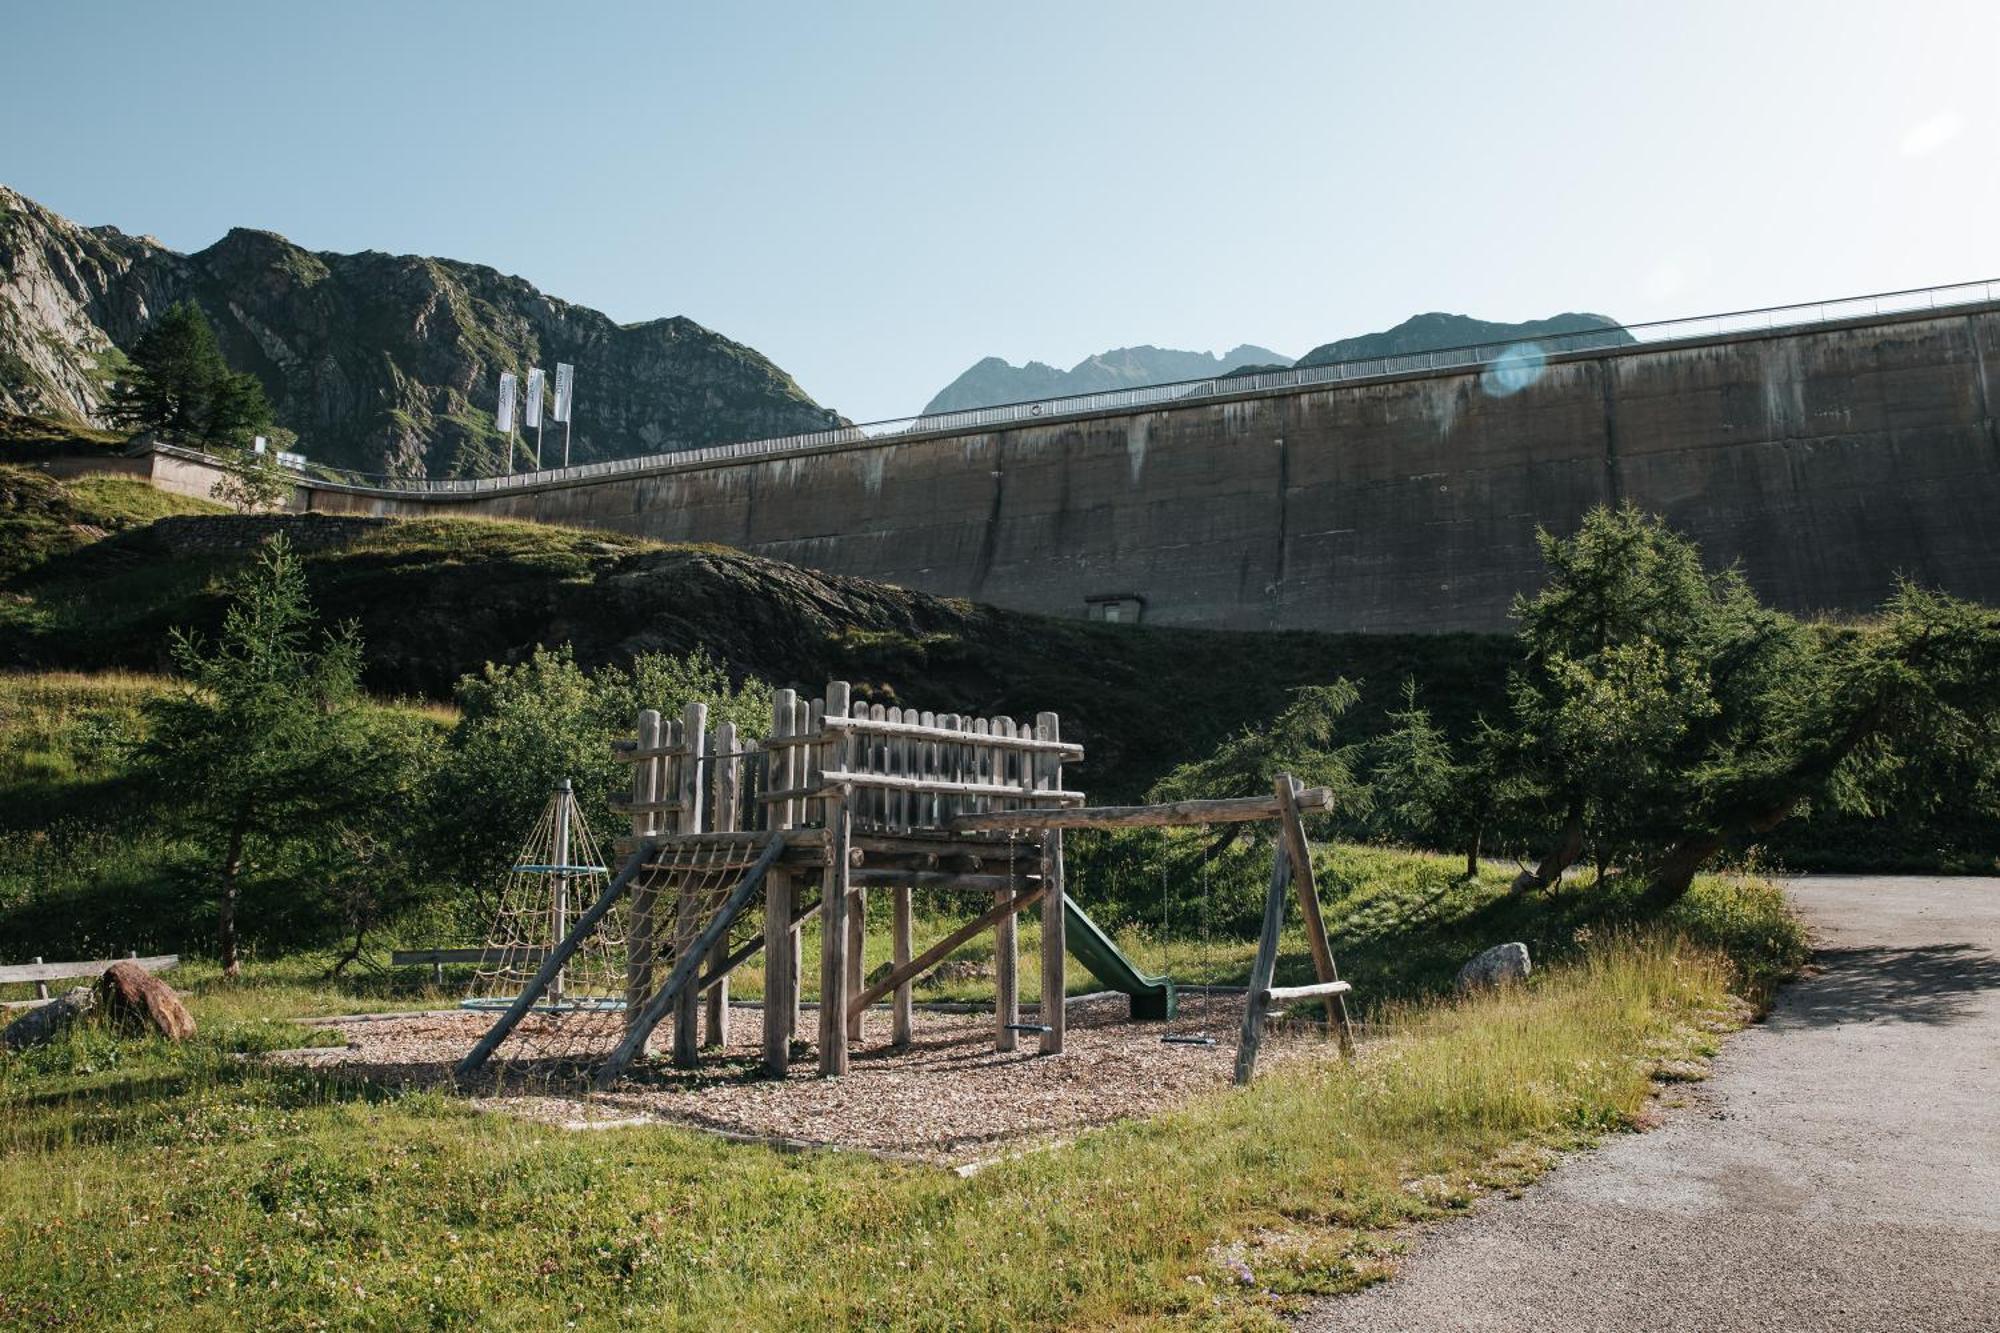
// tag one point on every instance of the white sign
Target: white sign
(259, 444)
(503, 418)
(565, 383)
(533, 416)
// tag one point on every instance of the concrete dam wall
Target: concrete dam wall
(1825, 460)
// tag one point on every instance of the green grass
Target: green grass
(43, 519)
(187, 1188)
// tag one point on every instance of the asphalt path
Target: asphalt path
(1840, 1170)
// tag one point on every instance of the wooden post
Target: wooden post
(1266, 963)
(641, 936)
(42, 987)
(688, 912)
(1006, 931)
(833, 931)
(806, 768)
(902, 1012)
(728, 770)
(559, 887)
(781, 941)
(1055, 936)
(1293, 830)
(877, 759)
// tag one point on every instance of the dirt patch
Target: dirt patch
(948, 1098)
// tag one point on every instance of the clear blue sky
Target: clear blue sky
(877, 195)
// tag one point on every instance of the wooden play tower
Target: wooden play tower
(842, 798)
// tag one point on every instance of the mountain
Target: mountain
(387, 363)
(1436, 331)
(993, 381)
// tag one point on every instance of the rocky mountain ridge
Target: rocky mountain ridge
(993, 381)
(386, 363)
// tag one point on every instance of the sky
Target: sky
(877, 195)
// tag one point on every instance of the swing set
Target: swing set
(846, 797)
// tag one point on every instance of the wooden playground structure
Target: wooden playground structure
(844, 797)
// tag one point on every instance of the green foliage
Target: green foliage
(180, 387)
(1303, 740)
(274, 764)
(1424, 792)
(525, 727)
(253, 482)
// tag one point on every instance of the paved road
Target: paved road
(1840, 1171)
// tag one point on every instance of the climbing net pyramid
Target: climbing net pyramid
(556, 876)
(630, 935)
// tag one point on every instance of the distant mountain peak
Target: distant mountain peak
(992, 380)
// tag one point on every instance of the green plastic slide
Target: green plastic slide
(1152, 997)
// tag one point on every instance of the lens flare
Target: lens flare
(1513, 370)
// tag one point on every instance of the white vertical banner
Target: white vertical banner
(532, 417)
(503, 417)
(565, 379)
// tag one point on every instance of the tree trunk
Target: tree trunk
(1560, 857)
(232, 865)
(1472, 851)
(1675, 874)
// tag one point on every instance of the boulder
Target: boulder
(136, 1002)
(1497, 966)
(45, 1022)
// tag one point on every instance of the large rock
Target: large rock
(1497, 966)
(45, 1022)
(136, 1002)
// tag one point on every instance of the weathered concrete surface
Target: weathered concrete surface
(1827, 461)
(1841, 1170)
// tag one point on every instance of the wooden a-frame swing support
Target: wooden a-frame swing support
(1291, 868)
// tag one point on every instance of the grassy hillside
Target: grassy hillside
(439, 597)
(42, 518)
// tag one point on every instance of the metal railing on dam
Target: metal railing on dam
(1526, 353)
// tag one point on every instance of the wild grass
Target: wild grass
(200, 1188)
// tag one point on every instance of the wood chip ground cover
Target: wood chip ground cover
(949, 1098)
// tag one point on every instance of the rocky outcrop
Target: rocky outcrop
(381, 362)
(1498, 966)
(992, 381)
(139, 1004)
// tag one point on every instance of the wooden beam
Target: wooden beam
(484, 956)
(919, 731)
(1055, 921)
(1293, 831)
(937, 953)
(1266, 962)
(687, 923)
(902, 1016)
(26, 972)
(1235, 810)
(939, 879)
(833, 917)
(934, 786)
(780, 901)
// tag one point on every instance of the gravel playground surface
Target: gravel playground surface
(1840, 1171)
(949, 1098)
